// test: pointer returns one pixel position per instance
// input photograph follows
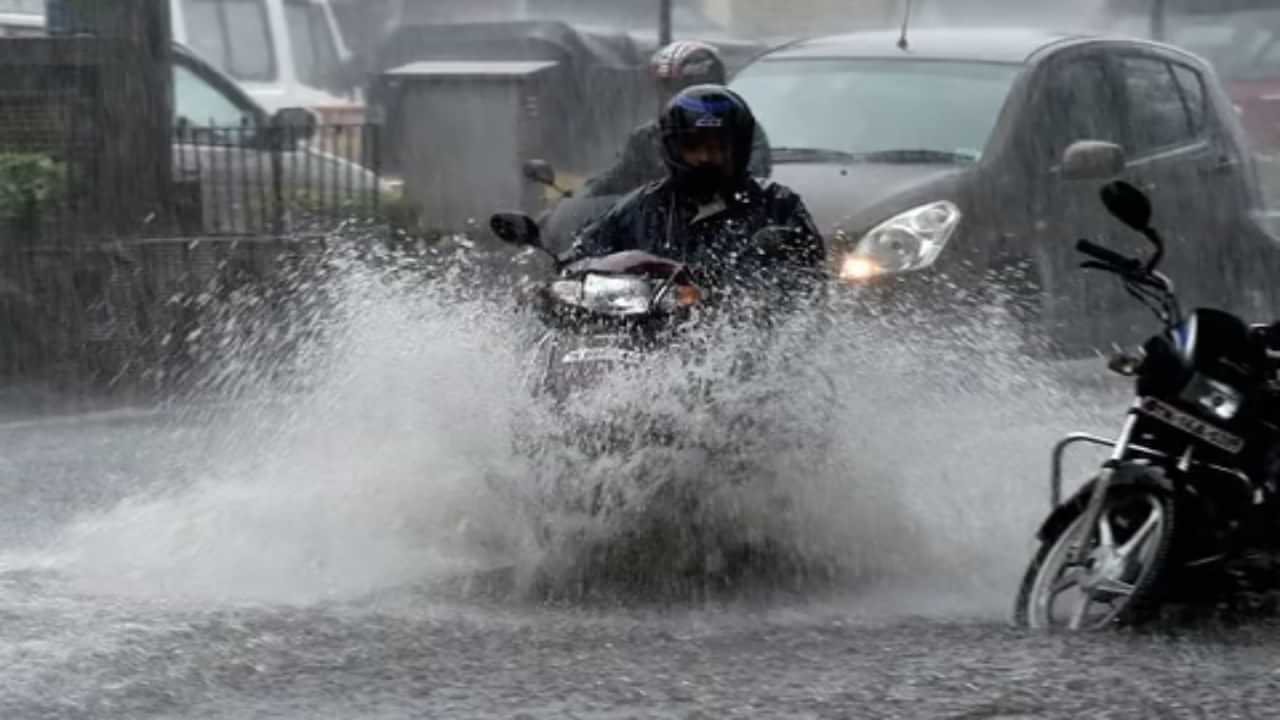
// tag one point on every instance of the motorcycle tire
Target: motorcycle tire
(1145, 587)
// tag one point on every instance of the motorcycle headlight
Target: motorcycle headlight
(615, 295)
(1216, 398)
(567, 291)
(909, 241)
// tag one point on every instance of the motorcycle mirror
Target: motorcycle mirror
(1127, 203)
(1133, 208)
(298, 123)
(540, 171)
(1269, 335)
(516, 228)
(1123, 363)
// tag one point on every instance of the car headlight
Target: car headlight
(1216, 398)
(909, 241)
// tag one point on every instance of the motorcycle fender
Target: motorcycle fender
(1125, 475)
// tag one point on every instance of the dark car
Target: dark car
(931, 167)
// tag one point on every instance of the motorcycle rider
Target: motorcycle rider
(673, 68)
(708, 209)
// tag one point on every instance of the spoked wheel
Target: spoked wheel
(1118, 581)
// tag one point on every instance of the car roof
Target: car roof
(1001, 45)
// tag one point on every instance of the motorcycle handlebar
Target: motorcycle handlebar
(1269, 336)
(1105, 255)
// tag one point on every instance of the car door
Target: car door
(1075, 96)
(1174, 156)
(1245, 255)
(216, 146)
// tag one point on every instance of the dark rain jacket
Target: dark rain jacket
(718, 247)
(641, 163)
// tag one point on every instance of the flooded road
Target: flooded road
(847, 656)
(347, 550)
(190, 608)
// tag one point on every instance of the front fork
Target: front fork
(1100, 487)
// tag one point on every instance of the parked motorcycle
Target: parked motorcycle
(1187, 497)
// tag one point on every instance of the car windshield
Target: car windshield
(887, 109)
(233, 35)
(315, 55)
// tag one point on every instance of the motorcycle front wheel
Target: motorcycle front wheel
(1120, 580)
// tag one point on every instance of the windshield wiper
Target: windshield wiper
(804, 154)
(915, 155)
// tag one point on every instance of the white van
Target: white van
(283, 53)
(20, 18)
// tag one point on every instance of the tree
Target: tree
(136, 95)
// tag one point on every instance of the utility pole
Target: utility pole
(1159, 17)
(664, 22)
(135, 94)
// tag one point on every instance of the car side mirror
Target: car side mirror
(516, 229)
(540, 171)
(1092, 160)
(297, 124)
(1127, 203)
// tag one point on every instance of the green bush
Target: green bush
(29, 183)
(393, 208)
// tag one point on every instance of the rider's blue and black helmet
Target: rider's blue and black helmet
(703, 110)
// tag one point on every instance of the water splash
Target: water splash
(380, 453)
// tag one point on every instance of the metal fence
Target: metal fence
(119, 231)
(248, 180)
(226, 181)
(47, 147)
(84, 306)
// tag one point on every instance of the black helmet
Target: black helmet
(707, 110)
(684, 63)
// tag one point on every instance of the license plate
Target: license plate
(1192, 425)
(599, 355)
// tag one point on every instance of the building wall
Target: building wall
(814, 17)
(766, 18)
(1055, 14)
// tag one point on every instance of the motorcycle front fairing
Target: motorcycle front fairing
(1197, 417)
(606, 312)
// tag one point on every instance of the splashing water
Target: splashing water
(381, 452)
